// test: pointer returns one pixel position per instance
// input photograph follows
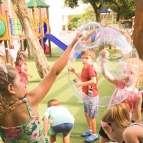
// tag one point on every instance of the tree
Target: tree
(73, 21)
(121, 7)
(94, 3)
(41, 62)
(138, 28)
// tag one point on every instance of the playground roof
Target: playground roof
(38, 3)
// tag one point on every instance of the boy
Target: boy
(61, 121)
(88, 83)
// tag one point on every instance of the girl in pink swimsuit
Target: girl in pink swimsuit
(21, 66)
(122, 92)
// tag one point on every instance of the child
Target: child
(88, 82)
(2, 58)
(61, 121)
(19, 119)
(116, 123)
(21, 66)
(12, 52)
(134, 96)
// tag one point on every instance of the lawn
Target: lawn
(62, 91)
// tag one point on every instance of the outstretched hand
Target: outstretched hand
(104, 53)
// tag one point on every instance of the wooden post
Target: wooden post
(41, 28)
(9, 41)
(49, 42)
(1, 8)
(138, 28)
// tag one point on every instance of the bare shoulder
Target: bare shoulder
(133, 134)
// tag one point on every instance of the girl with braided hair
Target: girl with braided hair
(19, 119)
(21, 66)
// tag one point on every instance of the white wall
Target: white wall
(55, 16)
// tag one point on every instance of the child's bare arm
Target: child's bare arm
(38, 93)
(45, 125)
(71, 69)
(104, 69)
(23, 71)
(87, 83)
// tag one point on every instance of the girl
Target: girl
(21, 66)
(19, 119)
(134, 96)
(116, 123)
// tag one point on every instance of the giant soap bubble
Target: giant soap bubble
(121, 59)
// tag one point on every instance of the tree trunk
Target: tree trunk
(97, 11)
(138, 28)
(41, 62)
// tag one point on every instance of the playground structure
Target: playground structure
(11, 28)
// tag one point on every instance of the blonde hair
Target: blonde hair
(53, 102)
(117, 114)
(89, 52)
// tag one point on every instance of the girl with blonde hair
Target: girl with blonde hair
(117, 125)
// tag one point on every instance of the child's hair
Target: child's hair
(11, 47)
(118, 114)
(89, 52)
(7, 76)
(20, 56)
(53, 102)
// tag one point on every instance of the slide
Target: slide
(55, 41)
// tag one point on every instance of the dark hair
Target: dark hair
(7, 78)
(89, 52)
(20, 56)
(53, 102)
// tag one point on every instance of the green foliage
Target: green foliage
(124, 8)
(73, 23)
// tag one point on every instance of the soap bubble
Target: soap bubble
(121, 59)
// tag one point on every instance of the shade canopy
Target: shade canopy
(104, 10)
(39, 3)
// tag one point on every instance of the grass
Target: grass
(62, 91)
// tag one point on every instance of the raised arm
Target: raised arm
(102, 60)
(37, 94)
(71, 69)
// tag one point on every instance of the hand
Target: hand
(30, 75)
(77, 37)
(78, 84)
(104, 53)
(71, 69)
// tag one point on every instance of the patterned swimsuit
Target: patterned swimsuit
(27, 133)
